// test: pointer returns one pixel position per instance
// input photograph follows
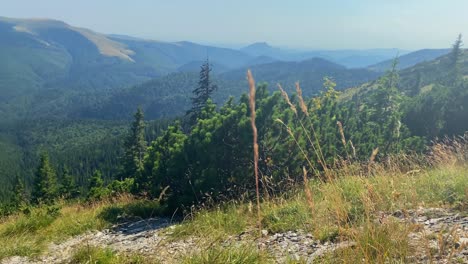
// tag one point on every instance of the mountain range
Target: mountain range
(348, 58)
(49, 68)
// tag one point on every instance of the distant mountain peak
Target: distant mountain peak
(257, 45)
(259, 49)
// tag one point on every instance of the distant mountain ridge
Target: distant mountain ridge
(410, 59)
(421, 76)
(348, 58)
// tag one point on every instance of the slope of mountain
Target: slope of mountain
(410, 59)
(48, 54)
(169, 96)
(194, 66)
(421, 77)
(168, 57)
(46, 65)
(309, 73)
(261, 60)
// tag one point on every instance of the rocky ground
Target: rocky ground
(443, 232)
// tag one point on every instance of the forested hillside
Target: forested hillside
(433, 95)
(168, 96)
(78, 146)
(68, 95)
(410, 59)
(209, 154)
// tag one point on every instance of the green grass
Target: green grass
(30, 224)
(379, 243)
(290, 216)
(29, 234)
(244, 254)
(222, 221)
(97, 255)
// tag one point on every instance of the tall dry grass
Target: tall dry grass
(449, 151)
(315, 144)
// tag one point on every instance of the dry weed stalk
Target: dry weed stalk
(319, 153)
(305, 110)
(449, 151)
(372, 159)
(308, 192)
(298, 145)
(301, 99)
(315, 146)
(255, 143)
(286, 98)
(353, 148)
(340, 128)
(343, 138)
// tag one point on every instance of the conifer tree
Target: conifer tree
(135, 147)
(45, 182)
(68, 188)
(20, 200)
(96, 186)
(454, 61)
(202, 93)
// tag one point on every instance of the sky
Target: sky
(300, 24)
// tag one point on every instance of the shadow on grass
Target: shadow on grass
(137, 217)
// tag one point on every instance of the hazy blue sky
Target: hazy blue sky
(325, 24)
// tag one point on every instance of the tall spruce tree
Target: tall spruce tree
(135, 147)
(202, 93)
(45, 182)
(454, 62)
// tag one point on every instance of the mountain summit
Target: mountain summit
(259, 49)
